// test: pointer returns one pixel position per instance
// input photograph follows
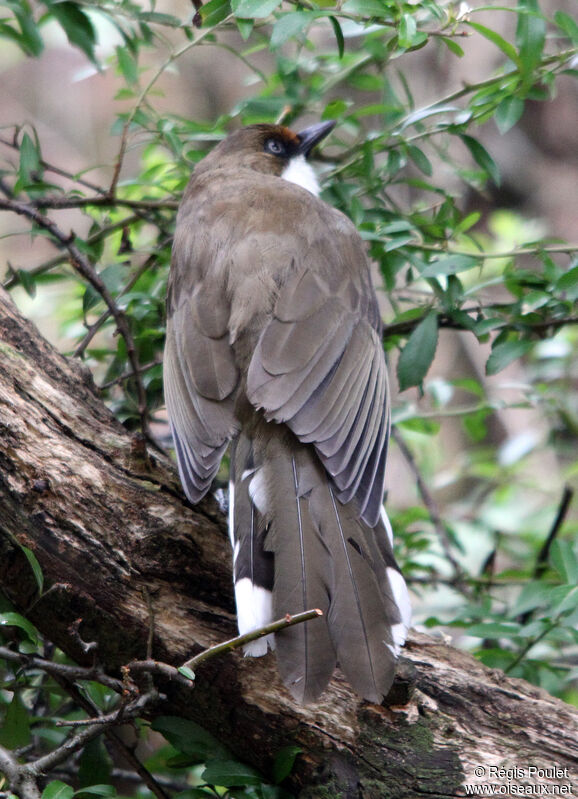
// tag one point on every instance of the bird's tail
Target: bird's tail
(297, 547)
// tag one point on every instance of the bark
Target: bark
(114, 536)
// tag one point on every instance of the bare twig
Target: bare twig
(94, 328)
(126, 752)
(241, 640)
(119, 161)
(63, 670)
(544, 553)
(432, 509)
(55, 202)
(85, 268)
(407, 326)
(46, 266)
(128, 375)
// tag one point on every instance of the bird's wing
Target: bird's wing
(319, 364)
(200, 378)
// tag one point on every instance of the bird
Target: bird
(274, 348)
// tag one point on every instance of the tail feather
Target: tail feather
(305, 654)
(252, 564)
(297, 547)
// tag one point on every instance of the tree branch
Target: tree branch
(105, 527)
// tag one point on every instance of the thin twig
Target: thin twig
(129, 375)
(241, 640)
(125, 751)
(63, 670)
(96, 326)
(432, 509)
(51, 263)
(407, 326)
(118, 162)
(544, 553)
(85, 268)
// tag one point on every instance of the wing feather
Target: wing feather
(319, 366)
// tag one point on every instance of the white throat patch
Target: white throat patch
(300, 172)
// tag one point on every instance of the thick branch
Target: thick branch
(110, 527)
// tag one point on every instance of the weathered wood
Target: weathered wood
(109, 526)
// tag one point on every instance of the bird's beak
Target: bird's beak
(311, 136)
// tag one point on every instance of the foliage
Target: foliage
(495, 278)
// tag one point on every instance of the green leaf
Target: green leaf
(505, 353)
(10, 619)
(530, 37)
(35, 566)
(568, 600)
(95, 766)
(567, 284)
(450, 265)
(508, 49)
(289, 25)
(57, 790)
(15, 730)
(160, 19)
(508, 113)
(482, 157)
(187, 672)
(338, 35)
(215, 11)
(284, 762)
(452, 46)
(254, 9)
(189, 738)
(112, 276)
(475, 424)
(568, 24)
(127, 65)
(532, 596)
(245, 28)
(97, 790)
(30, 167)
(365, 8)
(28, 39)
(420, 159)
(407, 30)
(564, 561)
(27, 281)
(228, 773)
(418, 354)
(76, 24)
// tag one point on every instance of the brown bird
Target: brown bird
(274, 344)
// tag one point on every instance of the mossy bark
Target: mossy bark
(114, 536)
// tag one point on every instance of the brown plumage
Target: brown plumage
(274, 343)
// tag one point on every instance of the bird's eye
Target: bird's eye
(275, 147)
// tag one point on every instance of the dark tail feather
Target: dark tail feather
(305, 654)
(286, 513)
(370, 612)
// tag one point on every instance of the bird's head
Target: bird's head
(273, 150)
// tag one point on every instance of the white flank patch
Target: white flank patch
(232, 513)
(254, 610)
(258, 492)
(299, 171)
(387, 524)
(401, 597)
